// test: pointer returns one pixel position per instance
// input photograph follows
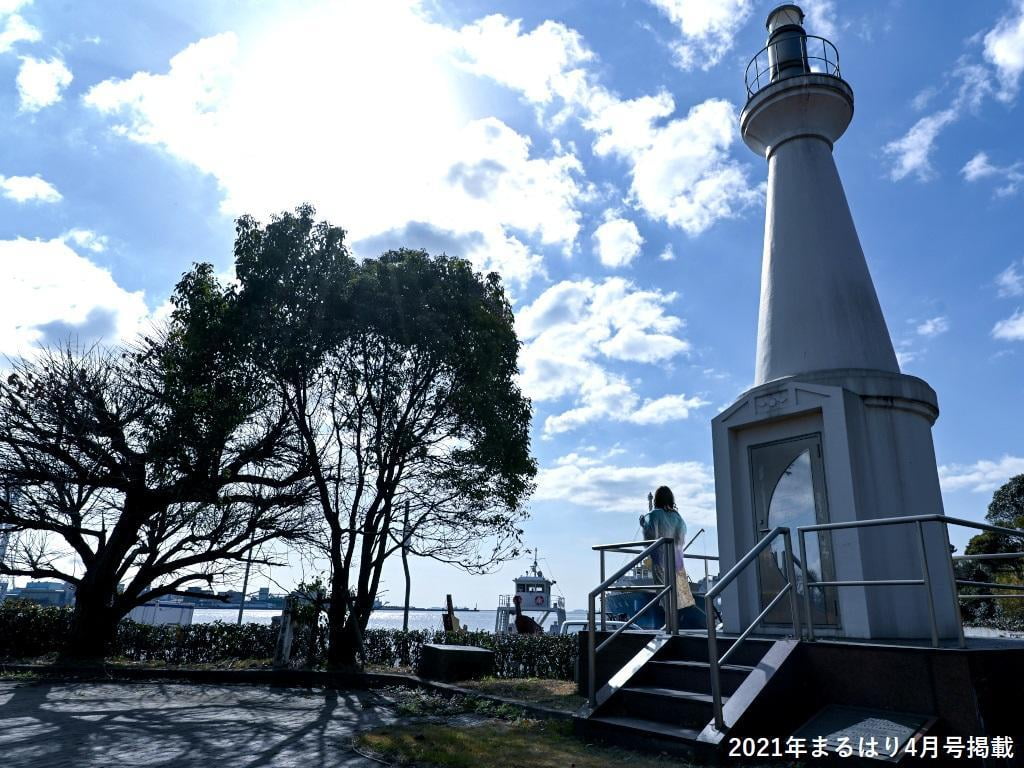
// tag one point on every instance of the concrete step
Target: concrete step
(690, 675)
(687, 709)
(695, 648)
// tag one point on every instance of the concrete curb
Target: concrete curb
(282, 678)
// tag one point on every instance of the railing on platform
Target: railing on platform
(644, 549)
(608, 585)
(774, 62)
(714, 661)
(925, 580)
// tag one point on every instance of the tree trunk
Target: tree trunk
(342, 643)
(93, 627)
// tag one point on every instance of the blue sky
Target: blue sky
(587, 150)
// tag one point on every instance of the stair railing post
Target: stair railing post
(801, 537)
(716, 687)
(604, 608)
(591, 655)
(925, 577)
(670, 579)
(956, 588)
(791, 575)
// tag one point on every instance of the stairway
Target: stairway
(668, 696)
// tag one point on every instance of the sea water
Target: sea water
(475, 620)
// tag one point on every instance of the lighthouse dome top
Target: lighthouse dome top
(790, 52)
(784, 15)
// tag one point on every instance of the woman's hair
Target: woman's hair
(663, 498)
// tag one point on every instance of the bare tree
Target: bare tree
(146, 469)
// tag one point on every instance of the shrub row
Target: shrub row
(546, 656)
(28, 631)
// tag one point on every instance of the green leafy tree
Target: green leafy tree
(141, 471)
(403, 389)
(1007, 511)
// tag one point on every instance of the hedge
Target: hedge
(546, 656)
(28, 630)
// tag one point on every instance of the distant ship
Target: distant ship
(535, 590)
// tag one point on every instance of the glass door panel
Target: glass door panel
(789, 490)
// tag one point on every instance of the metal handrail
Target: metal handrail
(705, 558)
(695, 537)
(622, 546)
(667, 589)
(713, 661)
(925, 580)
(827, 62)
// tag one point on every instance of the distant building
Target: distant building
(45, 593)
(198, 596)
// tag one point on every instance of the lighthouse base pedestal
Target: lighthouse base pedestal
(829, 447)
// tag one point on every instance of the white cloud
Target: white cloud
(572, 333)
(87, 239)
(668, 408)
(707, 27)
(617, 242)
(905, 353)
(982, 476)
(1010, 329)
(980, 167)
(541, 64)
(667, 254)
(933, 327)
(680, 168)
(1010, 281)
(923, 98)
(12, 6)
(16, 30)
(682, 172)
(385, 77)
(612, 488)
(911, 154)
(496, 175)
(50, 293)
(821, 18)
(41, 82)
(23, 189)
(1004, 49)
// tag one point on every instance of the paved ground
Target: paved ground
(108, 725)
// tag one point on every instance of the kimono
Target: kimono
(662, 523)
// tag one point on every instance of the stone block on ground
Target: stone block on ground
(449, 663)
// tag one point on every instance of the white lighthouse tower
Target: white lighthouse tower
(831, 431)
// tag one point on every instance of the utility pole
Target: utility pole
(405, 566)
(245, 587)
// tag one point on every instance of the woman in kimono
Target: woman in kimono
(664, 521)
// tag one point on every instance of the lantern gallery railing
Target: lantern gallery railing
(788, 57)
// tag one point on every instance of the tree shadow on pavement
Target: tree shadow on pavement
(93, 724)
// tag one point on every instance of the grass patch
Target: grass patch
(493, 744)
(419, 703)
(389, 669)
(556, 694)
